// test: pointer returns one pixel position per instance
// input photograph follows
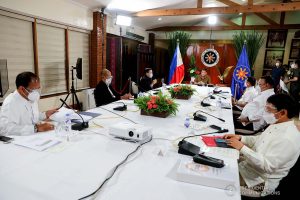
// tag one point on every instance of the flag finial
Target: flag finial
(177, 41)
(245, 41)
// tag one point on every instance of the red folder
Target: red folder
(210, 140)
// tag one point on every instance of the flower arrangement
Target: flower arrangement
(156, 104)
(182, 91)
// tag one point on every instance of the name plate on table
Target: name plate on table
(190, 172)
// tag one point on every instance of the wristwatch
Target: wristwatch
(35, 128)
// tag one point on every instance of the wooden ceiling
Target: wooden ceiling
(231, 8)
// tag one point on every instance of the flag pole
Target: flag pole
(236, 86)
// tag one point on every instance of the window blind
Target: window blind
(51, 57)
(16, 45)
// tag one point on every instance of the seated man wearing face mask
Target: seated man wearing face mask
(147, 82)
(251, 116)
(267, 158)
(20, 113)
(104, 93)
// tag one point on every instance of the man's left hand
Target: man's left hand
(50, 112)
(244, 119)
(233, 142)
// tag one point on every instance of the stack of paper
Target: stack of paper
(61, 114)
(36, 143)
(191, 172)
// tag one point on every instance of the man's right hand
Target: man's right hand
(232, 136)
(154, 82)
(44, 127)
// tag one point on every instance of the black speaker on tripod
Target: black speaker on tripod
(78, 69)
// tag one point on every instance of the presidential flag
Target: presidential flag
(240, 74)
(176, 73)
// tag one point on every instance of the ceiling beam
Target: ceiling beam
(282, 18)
(278, 7)
(199, 4)
(250, 2)
(267, 19)
(244, 19)
(228, 3)
(227, 21)
(223, 28)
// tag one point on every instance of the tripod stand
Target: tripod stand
(73, 92)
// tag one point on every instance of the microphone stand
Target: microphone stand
(76, 126)
(210, 115)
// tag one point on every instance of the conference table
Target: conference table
(80, 163)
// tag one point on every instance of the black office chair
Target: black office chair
(286, 188)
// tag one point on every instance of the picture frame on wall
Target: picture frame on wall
(271, 56)
(295, 49)
(276, 38)
(295, 53)
(295, 43)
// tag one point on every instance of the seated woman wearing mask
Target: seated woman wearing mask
(104, 93)
(147, 82)
(267, 158)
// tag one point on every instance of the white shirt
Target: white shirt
(254, 110)
(18, 115)
(270, 156)
(248, 96)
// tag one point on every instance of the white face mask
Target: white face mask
(108, 81)
(269, 118)
(277, 64)
(293, 66)
(150, 75)
(34, 95)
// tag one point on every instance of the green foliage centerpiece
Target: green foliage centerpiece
(156, 105)
(182, 91)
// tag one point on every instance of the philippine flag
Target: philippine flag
(176, 73)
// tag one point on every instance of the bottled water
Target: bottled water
(163, 83)
(68, 124)
(140, 94)
(219, 103)
(187, 122)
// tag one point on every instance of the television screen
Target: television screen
(79, 68)
(3, 77)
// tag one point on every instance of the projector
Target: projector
(136, 132)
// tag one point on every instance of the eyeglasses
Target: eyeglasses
(269, 107)
(31, 90)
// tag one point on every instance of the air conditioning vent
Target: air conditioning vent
(133, 36)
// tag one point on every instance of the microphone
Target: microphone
(187, 148)
(195, 113)
(121, 108)
(76, 126)
(205, 104)
(118, 114)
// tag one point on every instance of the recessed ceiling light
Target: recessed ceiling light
(159, 19)
(240, 13)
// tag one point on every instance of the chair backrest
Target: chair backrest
(134, 88)
(288, 185)
(88, 99)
